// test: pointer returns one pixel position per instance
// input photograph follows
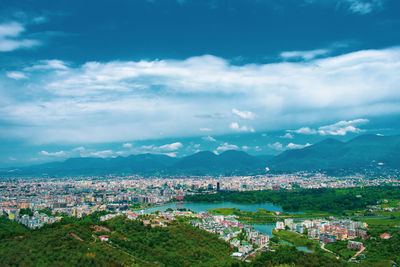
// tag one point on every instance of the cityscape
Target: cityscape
(212, 133)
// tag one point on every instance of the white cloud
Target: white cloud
(235, 126)
(171, 147)
(304, 55)
(339, 128)
(287, 136)
(342, 127)
(226, 146)
(171, 154)
(79, 149)
(360, 7)
(10, 37)
(39, 20)
(16, 75)
(127, 145)
(205, 129)
(305, 130)
(139, 100)
(296, 146)
(243, 114)
(276, 146)
(102, 154)
(53, 154)
(52, 64)
(363, 7)
(209, 138)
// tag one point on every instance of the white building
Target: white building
(280, 226)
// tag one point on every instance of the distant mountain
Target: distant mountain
(228, 162)
(364, 151)
(201, 163)
(141, 163)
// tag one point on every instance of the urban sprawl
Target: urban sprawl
(130, 196)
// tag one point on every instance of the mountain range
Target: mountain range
(362, 152)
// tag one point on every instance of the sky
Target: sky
(114, 78)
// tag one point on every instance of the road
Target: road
(327, 250)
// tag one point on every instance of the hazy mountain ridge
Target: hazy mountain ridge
(365, 151)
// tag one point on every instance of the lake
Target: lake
(264, 228)
(203, 207)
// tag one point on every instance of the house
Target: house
(288, 222)
(280, 226)
(245, 247)
(235, 242)
(104, 238)
(355, 245)
(238, 255)
(385, 236)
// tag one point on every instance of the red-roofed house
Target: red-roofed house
(104, 238)
(385, 236)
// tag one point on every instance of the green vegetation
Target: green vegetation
(75, 242)
(65, 245)
(296, 239)
(299, 240)
(291, 256)
(335, 201)
(27, 211)
(179, 244)
(382, 221)
(340, 248)
(260, 217)
(265, 216)
(11, 229)
(382, 252)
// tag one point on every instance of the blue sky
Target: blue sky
(109, 78)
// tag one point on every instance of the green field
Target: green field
(260, 217)
(340, 248)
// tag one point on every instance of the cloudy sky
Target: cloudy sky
(113, 78)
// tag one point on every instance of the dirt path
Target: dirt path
(327, 250)
(76, 237)
(358, 253)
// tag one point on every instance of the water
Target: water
(264, 228)
(203, 207)
(304, 249)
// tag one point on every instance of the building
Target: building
(326, 238)
(280, 226)
(385, 236)
(245, 247)
(355, 245)
(288, 222)
(104, 238)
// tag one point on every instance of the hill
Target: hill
(75, 242)
(201, 163)
(365, 151)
